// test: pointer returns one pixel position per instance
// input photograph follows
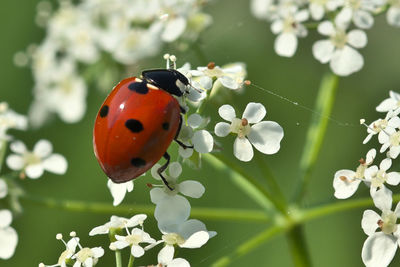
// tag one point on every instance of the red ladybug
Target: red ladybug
(137, 122)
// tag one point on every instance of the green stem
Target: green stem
(317, 129)
(217, 158)
(3, 149)
(298, 247)
(118, 260)
(131, 260)
(105, 208)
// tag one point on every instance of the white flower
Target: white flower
(346, 182)
(3, 188)
(194, 134)
(318, 7)
(171, 207)
(87, 257)
(393, 13)
(261, 8)
(230, 76)
(8, 236)
(382, 127)
(118, 191)
(69, 251)
(187, 234)
(10, 119)
(377, 177)
(358, 11)
(391, 140)
(389, 104)
(35, 162)
(380, 247)
(118, 223)
(289, 27)
(265, 136)
(133, 239)
(339, 48)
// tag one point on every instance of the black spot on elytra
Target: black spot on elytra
(165, 126)
(134, 126)
(140, 88)
(138, 162)
(104, 111)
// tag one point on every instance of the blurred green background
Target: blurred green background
(235, 35)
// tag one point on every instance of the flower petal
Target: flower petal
(393, 16)
(369, 222)
(266, 136)
(157, 195)
(175, 169)
(346, 61)
(137, 251)
(393, 178)
(363, 19)
(242, 149)
(34, 171)
(18, 147)
(196, 240)
(174, 28)
(43, 148)
(179, 262)
(222, 129)
(8, 242)
(5, 218)
(203, 141)
(286, 44)
(229, 82)
(383, 199)
(56, 163)
(227, 112)
(323, 50)
(118, 191)
(254, 112)
(326, 28)
(15, 162)
(194, 120)
(166, 255)
(172, 210)
(3, 188)
(357, 38)
(344, 183)
(379, 249)
(192, 189)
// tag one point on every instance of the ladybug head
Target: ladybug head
(169, 80)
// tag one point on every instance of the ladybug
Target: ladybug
(137, 122)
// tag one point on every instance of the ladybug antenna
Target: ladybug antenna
(171, 61)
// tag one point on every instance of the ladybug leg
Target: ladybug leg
(177, 134)
(163, 168)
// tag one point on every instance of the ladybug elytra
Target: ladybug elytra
(137, 122)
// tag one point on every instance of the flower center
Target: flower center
(395, 139)
(388, 222)
(134, 239)
(289, 24)
(361, 169)
(240, 127)
(84, 254)
(378, 179)
(379, 125)
(339, 39)
(173, 238)
(31, 158)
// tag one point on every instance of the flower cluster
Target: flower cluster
(85, 256)
(94, 36)
(187, 234)
(343, 22)
(380, 246)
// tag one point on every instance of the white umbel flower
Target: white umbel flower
(118, 223)
(382, 127)
(265, 136)
(9, 119)
(133, 239)
(194, 134)
(171, 206)
(358, 11)
(34, 163)
(346, 182)
(288, 27)
(389, 104)
(8, 236)
(377, 177)
(380, 247)
(319, 7)
(339, 49)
